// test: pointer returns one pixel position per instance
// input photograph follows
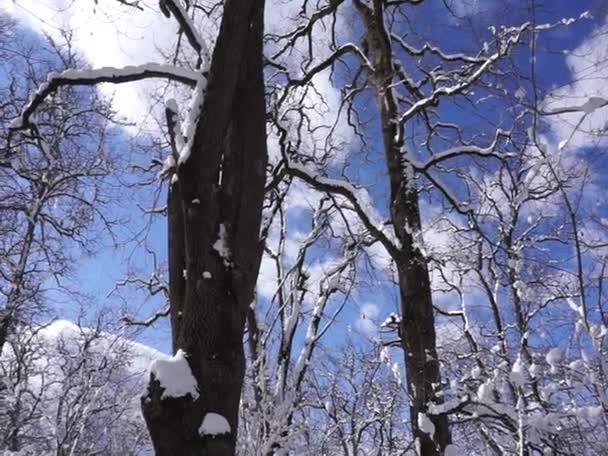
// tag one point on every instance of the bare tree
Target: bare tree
(285, 330)
(357, 404)
(414, 83)
(381, 63)
(484, 227)
(217, 171)
(53, 179)
(71, 390)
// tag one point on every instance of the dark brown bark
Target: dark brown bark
(220, 188)
(418, 322)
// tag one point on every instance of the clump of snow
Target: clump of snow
(221, 245)
(576, 365)
(517, 372)
(385, 357)
(168, 165)
(175, 376)
(426, 425)
(553, 358)
(207, 275)
(476, 372)
(598, 331)
(445, 407)
(392, 321)
(485, 392)
(594, 103)
(214, 424)
(535, 370)
(586, 15)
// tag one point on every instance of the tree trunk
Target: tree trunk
(418, 322)
(217, 198)
(418, 342)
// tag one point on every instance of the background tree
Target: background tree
(54, 179)
(70, 390)
(417, 87)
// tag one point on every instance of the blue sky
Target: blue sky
(97, 275)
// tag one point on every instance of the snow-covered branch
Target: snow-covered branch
(512, 37)
(589, 107)
(73, 77)
(453, 152)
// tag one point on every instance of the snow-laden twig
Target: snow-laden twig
(184, 148)
(589, 107)
(503, 48)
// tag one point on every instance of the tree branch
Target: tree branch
(74, 77)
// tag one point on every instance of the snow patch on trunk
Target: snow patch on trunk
(175, 376)
(426, 425)
(221, 245)
(214, 424)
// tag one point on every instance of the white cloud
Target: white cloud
(367, 321)
(106, 34)
(588, 65)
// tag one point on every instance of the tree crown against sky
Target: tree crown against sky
(506, 153)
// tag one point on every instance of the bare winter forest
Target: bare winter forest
(303, 227)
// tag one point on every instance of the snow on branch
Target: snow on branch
(418, 52)
(174, 376)
(128, 320)
(512, 37)
(352, 194)
(175, 8)
(453, 152)
(73, 77)
(184, 145)
(589, 107)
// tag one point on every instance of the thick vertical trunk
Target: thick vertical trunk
(214, 250)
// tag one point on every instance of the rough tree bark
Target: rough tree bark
(218, 194)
